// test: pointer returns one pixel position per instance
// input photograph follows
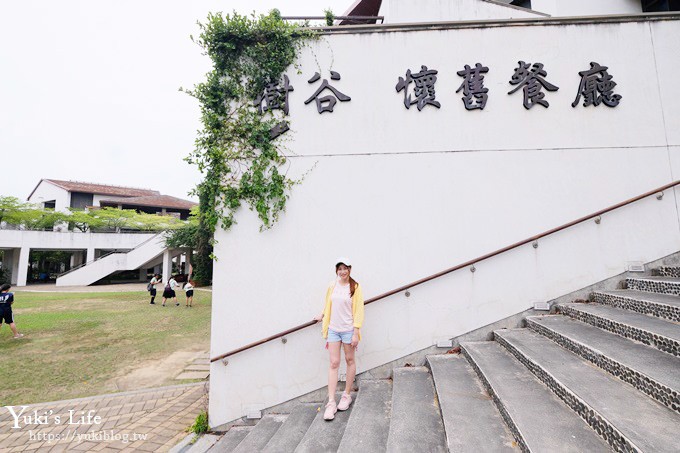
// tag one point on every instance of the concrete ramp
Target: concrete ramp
(91, 272)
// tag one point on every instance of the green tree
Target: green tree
(84, 221)
(235, 150)
(9, 206)
(39, 219)
(185, 235)
(114, 219)
(154, 222)
(27, 215)
(330, 17)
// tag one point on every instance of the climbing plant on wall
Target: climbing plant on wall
(234, 150)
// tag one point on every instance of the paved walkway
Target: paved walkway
(142, 420)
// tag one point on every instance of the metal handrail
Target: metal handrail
(462, 265)
(348, 18)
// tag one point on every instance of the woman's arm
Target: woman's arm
(325, 307)
(355, 337)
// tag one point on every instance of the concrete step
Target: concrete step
(539, 421)
(662, 334)
(203, 444)
(627, 419)
(416, 423)
(293, 430)
(261, 433)
(660, 305)
(323, 435)
(646, 368)
(660, 285)
(471, 419)
(231, 439)
(369, 423)
(667, 271)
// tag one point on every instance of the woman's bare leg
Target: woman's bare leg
(334, 353)
(351, 367)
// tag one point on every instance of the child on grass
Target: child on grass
(6, 315)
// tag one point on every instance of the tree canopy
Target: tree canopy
(28, 216)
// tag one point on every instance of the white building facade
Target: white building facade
(407, 192)
(95, 255)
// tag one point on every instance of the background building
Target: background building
(62, 195)
(94, 256)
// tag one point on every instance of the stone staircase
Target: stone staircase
(597, 376)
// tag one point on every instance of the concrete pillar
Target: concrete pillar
(90, 255)
(167, 265)
(22, 267)
(77, 258)
(142, 274)
(14, 264)
(188, 261)
(7, 263)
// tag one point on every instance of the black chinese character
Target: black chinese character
(532, 80)
(274, 97)
(424, 88)
(320, 107)
(593, 81)
(473, 86)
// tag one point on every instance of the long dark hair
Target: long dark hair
(352, 286)
(352, 283)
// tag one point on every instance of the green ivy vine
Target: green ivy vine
(234, 150)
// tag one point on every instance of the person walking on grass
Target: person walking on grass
(189, 288)
(151, 287)
(342, 318)
(6, 315)
(169, 291)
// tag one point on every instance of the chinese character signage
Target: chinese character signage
(418, 88)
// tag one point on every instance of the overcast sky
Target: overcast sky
(89, 89)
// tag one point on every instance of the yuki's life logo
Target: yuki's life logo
(22, 418)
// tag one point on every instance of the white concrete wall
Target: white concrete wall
(404, 11)
(47, 191)
(406, 194)
(561, 8)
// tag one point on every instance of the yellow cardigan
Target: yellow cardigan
(357, 309)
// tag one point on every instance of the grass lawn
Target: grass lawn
(75, 344)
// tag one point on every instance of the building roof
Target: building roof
(100, 189)
(157, 201)
(362, 8)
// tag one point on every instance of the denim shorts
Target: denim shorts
(345, 337)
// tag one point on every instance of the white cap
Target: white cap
(343, 260)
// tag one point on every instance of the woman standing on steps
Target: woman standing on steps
(342, 318)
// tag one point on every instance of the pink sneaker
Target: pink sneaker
(345, 401)
(331, 409)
